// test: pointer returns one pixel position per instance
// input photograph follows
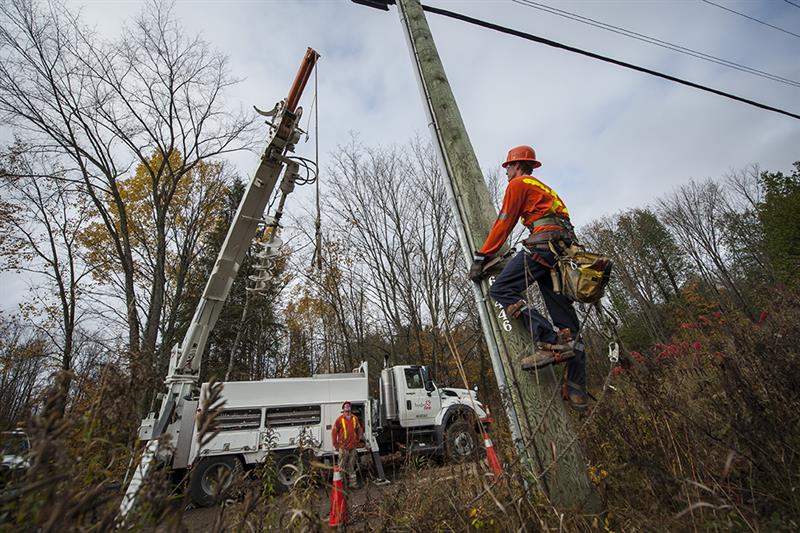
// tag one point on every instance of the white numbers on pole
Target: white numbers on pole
(504, 321)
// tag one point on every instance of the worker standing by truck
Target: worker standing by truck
(346, 435)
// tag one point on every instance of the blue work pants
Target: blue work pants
(509, 287)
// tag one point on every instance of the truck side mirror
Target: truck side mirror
(426, 376)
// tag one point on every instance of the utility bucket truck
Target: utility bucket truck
(176, 416)
(290, 418)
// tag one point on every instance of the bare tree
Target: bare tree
(102, 108)
(743, 231)
(393, 279)
(23, 356)
(695, 214)
(437, 267)
(41, 234)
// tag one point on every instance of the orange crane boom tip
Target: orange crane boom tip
(300, 80)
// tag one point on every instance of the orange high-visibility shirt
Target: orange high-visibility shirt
(526, 199)
(346, 433)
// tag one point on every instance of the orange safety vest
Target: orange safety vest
(344, 425)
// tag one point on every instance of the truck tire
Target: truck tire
(213, 478)
(289, 468)
(461, 442)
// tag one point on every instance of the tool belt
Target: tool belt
(579, 275)
(561, 238)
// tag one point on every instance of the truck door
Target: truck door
(418, 406)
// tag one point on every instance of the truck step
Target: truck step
(422, 447)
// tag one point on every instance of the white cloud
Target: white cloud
(609, 138)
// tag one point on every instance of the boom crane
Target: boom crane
(179, 402)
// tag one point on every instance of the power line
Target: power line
(792, 3)
(752, 18)
(554, 44)
(657, 42)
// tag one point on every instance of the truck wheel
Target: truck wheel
(461, 442)
(212, 479)
(288, 470)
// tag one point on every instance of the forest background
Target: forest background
(116, 197)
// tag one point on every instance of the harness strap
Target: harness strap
(551, 220)
(541, 239)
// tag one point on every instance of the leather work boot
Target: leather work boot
(576, 395)
(547, 354)
(564, 336)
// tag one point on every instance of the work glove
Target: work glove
(476, 270)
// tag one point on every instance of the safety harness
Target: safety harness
(551, 220)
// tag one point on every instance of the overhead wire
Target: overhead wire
(654, 41)
(752, 18)
(555, 44)
(792, 3)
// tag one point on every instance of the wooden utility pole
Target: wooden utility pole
(538, 420)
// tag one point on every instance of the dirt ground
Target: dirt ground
(200, 520)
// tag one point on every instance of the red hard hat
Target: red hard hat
(347, 403)
(522, 153)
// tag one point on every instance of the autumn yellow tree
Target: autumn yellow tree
(164, 239)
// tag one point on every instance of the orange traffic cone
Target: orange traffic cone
(338, 503)
(491, 457)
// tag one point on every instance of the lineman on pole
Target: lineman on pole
(542, 211)
(346, 435)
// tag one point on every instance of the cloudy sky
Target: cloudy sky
(609, 138)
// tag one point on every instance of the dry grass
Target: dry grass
(702, 433)
(699, 434)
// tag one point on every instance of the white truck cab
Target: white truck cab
(418, 415)
(16, 449)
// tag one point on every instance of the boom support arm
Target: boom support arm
(249, 215)
(177, 406)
